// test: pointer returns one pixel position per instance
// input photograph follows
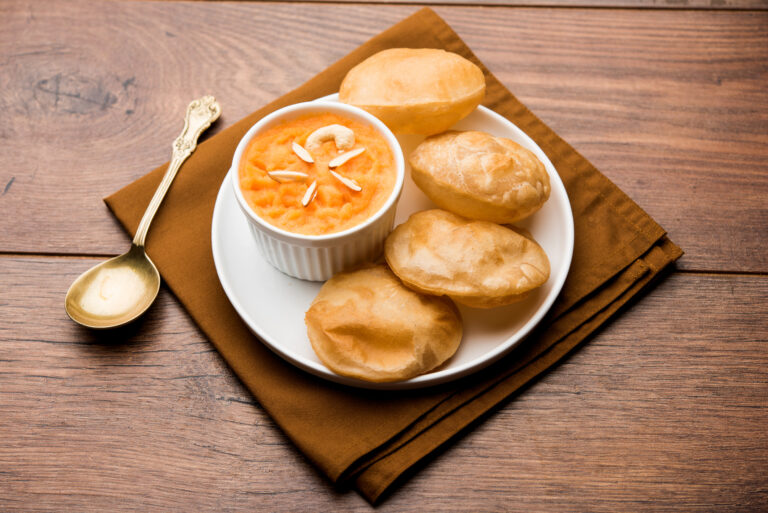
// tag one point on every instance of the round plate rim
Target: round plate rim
(428, 379)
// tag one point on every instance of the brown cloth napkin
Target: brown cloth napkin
(367, 439)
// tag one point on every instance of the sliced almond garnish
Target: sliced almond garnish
(303, 154)
(287, 176)
(310, 194)
(344, 157)
(347, 181)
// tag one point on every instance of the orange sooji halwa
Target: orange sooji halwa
(317, 174)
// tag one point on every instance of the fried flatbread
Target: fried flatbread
(415, 91)
(366, 324)
(475, 263)
(480, 176)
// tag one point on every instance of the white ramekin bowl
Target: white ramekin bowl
(318, 257)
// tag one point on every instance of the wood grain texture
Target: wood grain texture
(665, 410)
(670, 105)
(633, 4)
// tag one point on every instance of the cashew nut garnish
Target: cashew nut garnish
(341, 135)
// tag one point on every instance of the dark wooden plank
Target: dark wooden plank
(629, 4)
(664, 410)
(671, 105)
(147, 418)
(632, 4)
(673, 109)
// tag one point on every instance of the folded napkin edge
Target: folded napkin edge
(373, 483)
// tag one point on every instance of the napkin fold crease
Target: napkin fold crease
(369, 439)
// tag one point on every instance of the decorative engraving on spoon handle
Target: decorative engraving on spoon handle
(200, 114)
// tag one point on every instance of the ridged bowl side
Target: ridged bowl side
(321, 262)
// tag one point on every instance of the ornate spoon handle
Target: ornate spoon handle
(200, 114)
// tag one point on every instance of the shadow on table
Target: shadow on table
(134, 336)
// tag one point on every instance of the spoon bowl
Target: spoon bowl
(114, 292)
(119, 290)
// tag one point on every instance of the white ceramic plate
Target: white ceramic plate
(272, 304)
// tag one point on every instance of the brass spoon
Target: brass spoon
(119, 290)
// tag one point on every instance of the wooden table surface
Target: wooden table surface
(666, 409)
